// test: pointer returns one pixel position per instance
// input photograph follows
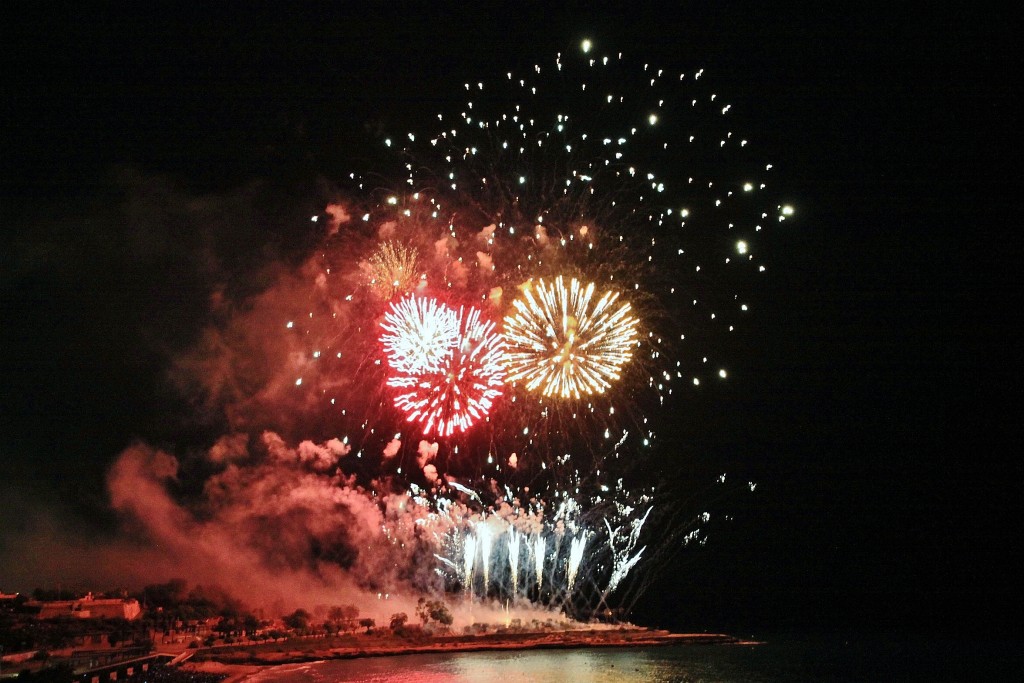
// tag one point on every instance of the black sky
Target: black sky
(878, 411)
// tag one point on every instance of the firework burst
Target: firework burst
(460, 389)
(563, 343)
(418, 334)
(392, 269)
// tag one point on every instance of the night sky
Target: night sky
(876, 406)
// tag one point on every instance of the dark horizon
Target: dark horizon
(873, 405)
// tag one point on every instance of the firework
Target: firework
(461, 387)
(392, 269)
(634, 200)
(565, 199)
(418, 334)
(563, 343)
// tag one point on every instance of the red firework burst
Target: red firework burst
(453, 394)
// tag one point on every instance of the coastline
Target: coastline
(241, 662)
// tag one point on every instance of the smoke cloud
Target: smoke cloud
(391, 450)
(425, 453)
(275, 529)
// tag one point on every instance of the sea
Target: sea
(780, 659)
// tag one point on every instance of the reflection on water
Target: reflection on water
(527, 666)
(782, 660)
(599, 665)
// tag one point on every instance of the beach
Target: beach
(238, 662)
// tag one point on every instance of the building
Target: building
(90, 608)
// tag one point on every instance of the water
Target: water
(782, 660)
(786, 660)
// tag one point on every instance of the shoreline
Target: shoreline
(244, 661)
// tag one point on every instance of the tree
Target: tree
(250, 624)
(227, 627)
(398, 620)
(423, 611)
(298, 620)
(367, 624)
(344, 616)
(164, 595)
(434, 610)
(441, 614)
